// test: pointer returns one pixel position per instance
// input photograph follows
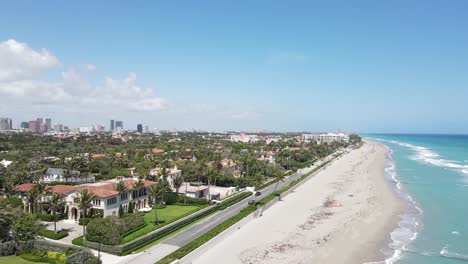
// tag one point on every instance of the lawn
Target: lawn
(165, 216)
(16, 260)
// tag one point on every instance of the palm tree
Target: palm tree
(56, 202)
(41, 189)
(154, 191)
(32, 200)
(120, 187)
(138, 186)
(8, 189)
(86, 199)
(210, 175)
(279, 176)
(178, 180)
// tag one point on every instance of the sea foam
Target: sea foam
(409, 224)
(428, 156)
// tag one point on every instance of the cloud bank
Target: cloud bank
(21, 69)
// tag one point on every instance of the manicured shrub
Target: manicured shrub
(7, 248)
(84, 221)
(33, 258)
(52, 235)
(103, 230)
(190, 200)
(78, 241)
(50, 217)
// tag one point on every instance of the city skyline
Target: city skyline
(370, 67)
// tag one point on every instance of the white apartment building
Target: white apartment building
(325, 137)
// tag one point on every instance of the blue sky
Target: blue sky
(369, 66)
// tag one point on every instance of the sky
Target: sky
(365, 66)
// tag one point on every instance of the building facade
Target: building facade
(106, 202)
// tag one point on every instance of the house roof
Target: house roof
(99, 189)
(26, 187)
(58, 171)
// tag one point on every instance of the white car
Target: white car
(145, 210)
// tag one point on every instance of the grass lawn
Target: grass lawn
(165, 216)
(16, 260)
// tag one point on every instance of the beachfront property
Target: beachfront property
(107, 199)
(54, 175)
(244, 138)
(325, 137)
(171, 174)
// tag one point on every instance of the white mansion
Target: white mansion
(107, 200)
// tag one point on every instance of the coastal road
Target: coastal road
(184, 237)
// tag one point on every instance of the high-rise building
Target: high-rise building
(112, 126)
(34, 126)
(140, 128)
(146, 130)
(58, 127)
(40, 120)
(24, 125)
(6, 124)
(118, 125)
(48, 123)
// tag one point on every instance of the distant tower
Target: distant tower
(118, 125)
(112, 125)
(48, 123)
(140, 128)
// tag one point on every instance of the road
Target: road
(184, 237)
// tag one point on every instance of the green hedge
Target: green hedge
(78, 241)
(52, 235)
(50, 217)
(235, 199)
(181, 252)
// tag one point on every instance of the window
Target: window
(124, 196)
(76, 200)
(112, 201)
(97, 202)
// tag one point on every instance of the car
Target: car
(258, 193)
(251, 202)
(215, 201)
(145, 210)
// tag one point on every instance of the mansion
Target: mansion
(106, 199)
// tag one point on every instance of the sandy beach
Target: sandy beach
(343, 215)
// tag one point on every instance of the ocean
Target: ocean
(430, 172)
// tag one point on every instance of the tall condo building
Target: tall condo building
(6, 124)
(118, 125)
(112, 125)
(140, 128)
(24, 125)
(48, 123)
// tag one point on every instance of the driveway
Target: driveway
(74, 230)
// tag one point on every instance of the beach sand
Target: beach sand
(343, 215)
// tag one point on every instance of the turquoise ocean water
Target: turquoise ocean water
(430, 172)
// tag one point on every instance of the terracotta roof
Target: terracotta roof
(98, 155)
(157, 151)
(63, 189)
(100, 189)
(26, 187)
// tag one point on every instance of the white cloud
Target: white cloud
(19, 61)
(20, 65)
(285, 57)
(90, 67)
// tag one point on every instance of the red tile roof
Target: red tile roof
(101, 189)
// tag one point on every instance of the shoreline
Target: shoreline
(350, 208)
